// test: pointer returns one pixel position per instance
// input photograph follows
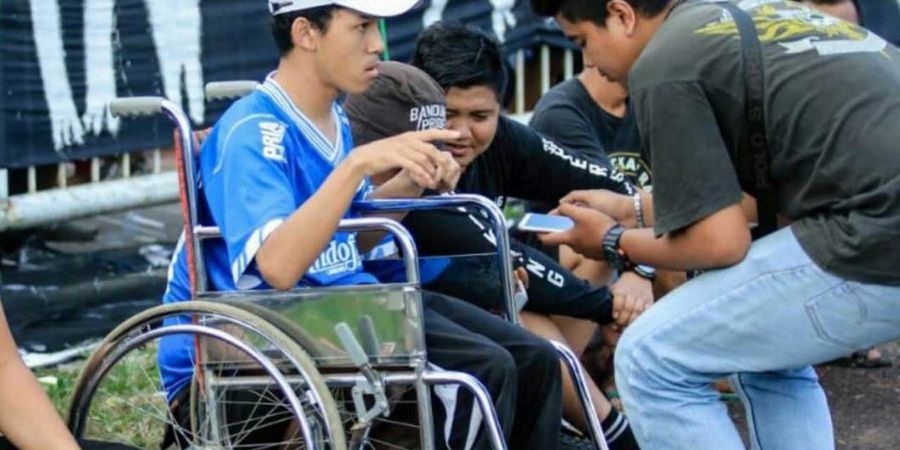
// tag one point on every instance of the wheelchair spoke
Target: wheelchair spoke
(386, 444)
(253, 414)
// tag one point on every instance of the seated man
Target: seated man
(279, 174)
(402, 99)
(499, 156)
(590, 115)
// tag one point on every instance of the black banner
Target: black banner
(63, 60)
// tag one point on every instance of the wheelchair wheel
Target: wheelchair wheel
(253, 387)
(400, 430)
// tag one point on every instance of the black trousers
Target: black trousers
(520, 370)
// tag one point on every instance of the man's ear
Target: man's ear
(304, 34)
(621, 15)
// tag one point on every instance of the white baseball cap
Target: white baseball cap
(376, 8)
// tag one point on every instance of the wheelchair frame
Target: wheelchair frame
(133, 333)
(366, 375)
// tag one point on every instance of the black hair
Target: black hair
(592, 10)
(458, 55)
(319, 17)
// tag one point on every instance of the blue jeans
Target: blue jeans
(762, 322)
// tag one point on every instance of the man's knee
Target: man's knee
(645, 362)
(540, 358)
(625, 361)
(499, 368)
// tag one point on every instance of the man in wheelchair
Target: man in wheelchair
(278, 174)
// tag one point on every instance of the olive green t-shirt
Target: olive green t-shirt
(832, 100)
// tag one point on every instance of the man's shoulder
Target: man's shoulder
(682, 49)
(507, 125)
(514, 135)
(568, 95)
(252, 121)
(252, 110)
(565, 91)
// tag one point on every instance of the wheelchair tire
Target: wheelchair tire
(129, 344)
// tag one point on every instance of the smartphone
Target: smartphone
(543, 223)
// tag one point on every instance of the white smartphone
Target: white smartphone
(544, 223)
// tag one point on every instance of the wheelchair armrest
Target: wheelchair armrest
(492, 212)
(401, 235)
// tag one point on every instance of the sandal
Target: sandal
(861, 360)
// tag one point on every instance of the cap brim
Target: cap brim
(379, 8)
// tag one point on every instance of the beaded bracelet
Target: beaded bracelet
(638, 210)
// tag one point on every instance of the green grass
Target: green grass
(127, 405)
(60, 392)
(514, 210)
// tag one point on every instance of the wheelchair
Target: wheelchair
(312, 368)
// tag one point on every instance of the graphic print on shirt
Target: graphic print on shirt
(798, 29)
(272, 138)
(339, 257)
(581, 163)
(633, 166)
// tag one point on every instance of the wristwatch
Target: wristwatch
(644, 271)
(612, 253)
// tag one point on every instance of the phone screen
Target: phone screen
(545, 223)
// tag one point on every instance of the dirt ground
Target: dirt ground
(865, 404)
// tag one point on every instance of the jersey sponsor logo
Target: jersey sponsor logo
(633, 167)
(581, 163)
(798, 29)
(272, 135)
(428, 117)
(339, 257)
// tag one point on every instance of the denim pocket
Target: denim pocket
(838, 316)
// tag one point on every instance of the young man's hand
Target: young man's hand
(632, 295)
(412, 152)
(450, 173)
(618, 206)
(586, 237)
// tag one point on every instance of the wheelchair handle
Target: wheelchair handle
(136, 106)
(227, 90)
(133, 107)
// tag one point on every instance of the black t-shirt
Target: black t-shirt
(882, 17)
(832, 102)
(522, 163)
(569, 115)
